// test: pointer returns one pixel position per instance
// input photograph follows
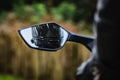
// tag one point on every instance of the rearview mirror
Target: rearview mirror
(48, 36)
(51, 37)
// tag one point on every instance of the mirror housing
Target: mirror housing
(51, 37)
(47, 36)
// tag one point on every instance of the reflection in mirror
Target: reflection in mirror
(49, 36)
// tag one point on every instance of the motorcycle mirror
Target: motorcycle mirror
(51, 37)
(47, 36)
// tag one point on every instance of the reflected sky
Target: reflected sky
(27, 35)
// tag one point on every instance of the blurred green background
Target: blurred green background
(19, 62)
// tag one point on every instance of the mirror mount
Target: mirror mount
(87, 41)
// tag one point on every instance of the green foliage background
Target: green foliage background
(18, 61)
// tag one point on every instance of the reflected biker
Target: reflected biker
(46, 36)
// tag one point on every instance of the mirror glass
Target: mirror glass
(48, 36)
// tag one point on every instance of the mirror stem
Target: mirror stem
(87, 41)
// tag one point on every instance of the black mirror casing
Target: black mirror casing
(51, 37)
(47, 36)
